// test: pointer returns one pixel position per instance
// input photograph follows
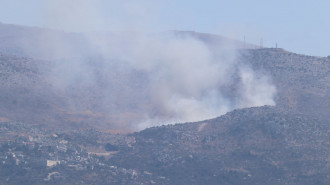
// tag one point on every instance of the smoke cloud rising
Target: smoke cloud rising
(137, 80)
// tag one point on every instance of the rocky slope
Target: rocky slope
(303, 82)
(250, 146)
(261, 145)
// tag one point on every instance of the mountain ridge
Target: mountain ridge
(60, 135)
(301, 81)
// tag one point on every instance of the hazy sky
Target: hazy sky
(296, 25)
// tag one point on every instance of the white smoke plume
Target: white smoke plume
(138, 80)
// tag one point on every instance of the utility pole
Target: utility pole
(57, 153)
(244, 43)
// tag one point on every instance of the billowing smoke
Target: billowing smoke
(162, 79)
(136, 80)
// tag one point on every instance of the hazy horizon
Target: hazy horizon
(298, 26)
